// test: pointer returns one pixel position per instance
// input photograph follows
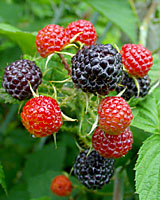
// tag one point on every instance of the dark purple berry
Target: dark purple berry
(97, 69)
(131, 88)
(16, 77)
(93, 170)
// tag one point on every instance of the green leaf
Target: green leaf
(139, 136)
(25, 40)
(148, 169)
(17, 192)
(131, 172)
(120, 13)
(18, 138)
(42, 198)
(147, 113)
(9, 12)
(6, 98)
(12, 161)
(2, 179)
(154, 73)
(45, 159)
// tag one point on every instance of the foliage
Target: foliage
(2, 179)
(147, 170)
(27, 165)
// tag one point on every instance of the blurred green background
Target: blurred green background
(29, 164)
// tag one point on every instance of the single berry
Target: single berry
(97, 69)
(88, 35)
(50, 39)
(131, 88)
(136, 59)
(41, 116)
(16, 77)
(93, 170)
(115, 115)
(61, 186)
(112, 146)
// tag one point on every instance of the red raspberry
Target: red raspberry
(41, 116)
(61, 186)
(112, 146)
(88, 37)
(50, 39)
(115, 115)
(136, 59)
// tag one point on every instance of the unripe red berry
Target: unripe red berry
(50, 39)
(41, 116)
(136, 59)
(112, 146)
(88, 35)
(115, 115)
(61, 186)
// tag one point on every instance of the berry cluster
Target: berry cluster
(137, 61)
(97, 69)
(41, 115)
(54, 38)
(113, 138)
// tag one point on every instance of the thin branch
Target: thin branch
(66, 65)
(118, 185)
(145, 24)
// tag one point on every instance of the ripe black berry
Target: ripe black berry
(97, 69)
(16, 77)
(93, 170)
(131, 88)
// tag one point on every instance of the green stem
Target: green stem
(64, 81)
(48, 59)
(55, 140)
(118, 185)
(121, 93)
(93, 126)
(155, 51)
(65, 53)
(40, 143)
(137, 85)
(66, 118)
(74, 38)
(145, 24)
(33, 92)
(82, 118)
(46, 71)
(83, 188)
(154, 86)
(132, 5)
(70, 45)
